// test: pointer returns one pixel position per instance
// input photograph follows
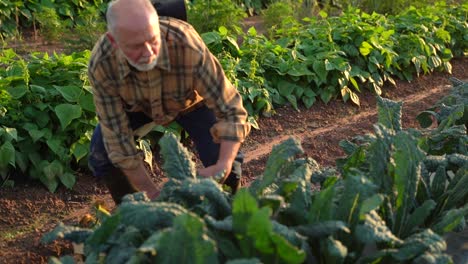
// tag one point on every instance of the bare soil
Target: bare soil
(28, 210)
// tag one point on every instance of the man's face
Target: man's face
(140, 44)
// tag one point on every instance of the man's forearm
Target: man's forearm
(228, 152)
(141, 179)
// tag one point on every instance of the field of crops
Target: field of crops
(386, 190)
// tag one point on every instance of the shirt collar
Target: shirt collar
(163, 63)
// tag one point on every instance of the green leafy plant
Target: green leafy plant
(329, 57)
(47, 116)
(450, 110)
(207, 15)
(412, 170)
(50, 25)
(253, 7)
(89, 26)
(53, 16)
(275, 13)
(392, 7)
(389, 195)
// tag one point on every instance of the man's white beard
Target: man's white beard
(143, 66)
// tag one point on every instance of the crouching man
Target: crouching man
(154, 70)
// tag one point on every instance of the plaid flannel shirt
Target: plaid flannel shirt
(186, 75)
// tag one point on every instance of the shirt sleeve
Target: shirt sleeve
(117, 134)
(221, 96)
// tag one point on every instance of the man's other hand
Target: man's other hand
(215, 170)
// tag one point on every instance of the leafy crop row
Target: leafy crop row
(25, 14)
(47, 116)
(390, 200)
(340, 56)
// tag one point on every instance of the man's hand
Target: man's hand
(227, 153)
(216, 169)
(141, 179)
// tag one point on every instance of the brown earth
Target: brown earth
(28, 210)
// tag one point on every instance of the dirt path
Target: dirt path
(340, 124)
(28, 211)
(322, 127)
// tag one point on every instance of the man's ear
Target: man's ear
(112, 40)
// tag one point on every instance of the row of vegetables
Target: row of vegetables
(389, 200)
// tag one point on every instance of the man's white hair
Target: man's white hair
(112, 16)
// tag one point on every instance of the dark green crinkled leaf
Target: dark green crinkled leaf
(389, 113)
(370, 204)
(336, 252)
(433, 162)
(227, 246)
(71, 233)
(374, 229)
(428, 258)
(323, 206)
(280, 155)
(123, 244)
(446, 140)
(439, 181)
(255, 230)
(407, 167)
(425, 118)
(287, 252)
(102, 233)
(299, 169)
(356, 189)
(379, 153)
(322, 229)
(259, 229)
(417, 244)
(458, 160)
(271, 200)
(450, 220)
(348, 146)
(243, 207)
(221, 225)
(418, 217)
(289, 234)
(356, 160)
(186, 242)
(300, 199)
(150, 244)
(149, 216)
(205, 194)
(136, 197)
(137, 258)
(458, 194)
(178, 162)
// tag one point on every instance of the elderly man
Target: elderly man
(153, 70)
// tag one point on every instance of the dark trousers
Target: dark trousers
(197, 123)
